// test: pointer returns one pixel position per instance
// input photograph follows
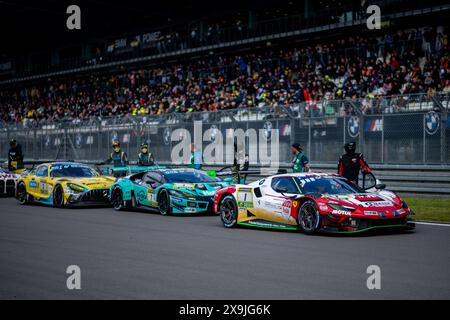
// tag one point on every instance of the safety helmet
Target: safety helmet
(144, 147)
(12, 142)
(116, 145)
(350, 147)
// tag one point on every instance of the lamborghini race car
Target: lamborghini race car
(64, 184)
(8, 182)
(311, 202)
(177, 191)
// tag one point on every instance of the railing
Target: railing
(415, 138)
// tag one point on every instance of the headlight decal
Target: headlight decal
(75, 188)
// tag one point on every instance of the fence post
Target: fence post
(382, 139)
(344, 129)
(424, 140)
(309, 137)
(444, 118)
(361, 133)
(35, 144)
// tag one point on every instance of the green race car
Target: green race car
(167, 190)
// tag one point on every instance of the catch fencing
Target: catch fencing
(412, 130)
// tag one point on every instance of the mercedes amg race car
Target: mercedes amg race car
(177, 191)
(64, 184)
(311, 202)
(8, 182)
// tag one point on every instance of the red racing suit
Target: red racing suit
(350, 165)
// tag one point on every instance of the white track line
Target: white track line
(434, 224)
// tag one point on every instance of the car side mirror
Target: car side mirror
(380, 186)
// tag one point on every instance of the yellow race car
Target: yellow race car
(64, 184)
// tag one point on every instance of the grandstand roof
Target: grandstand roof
(30, 24)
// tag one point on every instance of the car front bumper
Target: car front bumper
(89, 198)
(362, 225)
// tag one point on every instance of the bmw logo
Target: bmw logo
(353, 126)
(268, 130)
(166, 136)
(431, 122)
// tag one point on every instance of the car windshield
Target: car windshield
(64, 170)
(193, 176)
(327, 185)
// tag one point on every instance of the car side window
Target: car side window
(152, 178)
(286, 183)
(42, 171)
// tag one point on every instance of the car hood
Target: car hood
(200, 189)
(89, 183)
(366, 200)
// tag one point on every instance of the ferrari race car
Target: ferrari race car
(64, 184)
(311, 202)
(177, 191)
(8, 182)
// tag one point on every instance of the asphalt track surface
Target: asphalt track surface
(135, 255)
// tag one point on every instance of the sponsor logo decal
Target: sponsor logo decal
(432, 122)
(371, 213)
(245, 198)
(341, 213)
(33, 184)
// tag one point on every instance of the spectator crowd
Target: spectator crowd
(355, 67)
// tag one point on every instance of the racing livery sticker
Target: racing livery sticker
(245, 197)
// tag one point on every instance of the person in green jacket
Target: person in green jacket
(300, 162)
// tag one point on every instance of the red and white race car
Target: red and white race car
(311, 202)
(8, 182)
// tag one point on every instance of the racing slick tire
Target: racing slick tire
(117, 199)
(58, 196)
(164, 203)
(228, 211)
(308, 217)
(21, 193)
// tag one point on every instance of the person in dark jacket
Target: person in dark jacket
(351, 163)
(15, 156)
(118, 157)
(145, 157)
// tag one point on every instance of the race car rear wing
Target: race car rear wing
(241, 175)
